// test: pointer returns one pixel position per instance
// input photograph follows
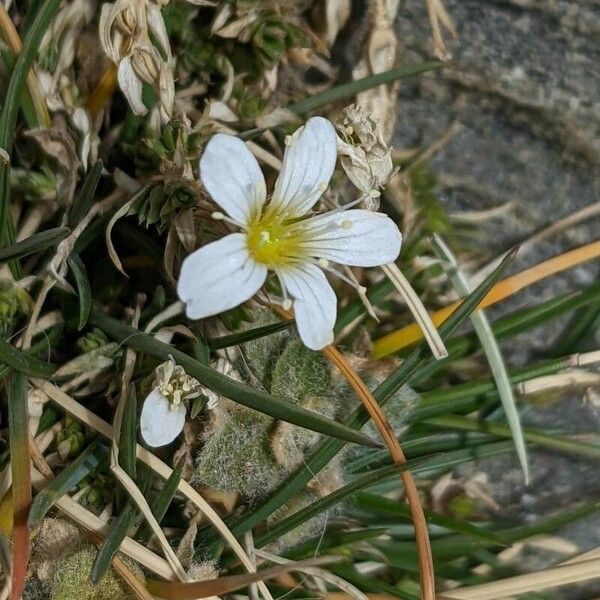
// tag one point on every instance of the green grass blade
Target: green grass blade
(241, 337)
(84, 291)
(66, 480)
(18, 429)
(116, 535)
(83, 200)
(35, 243)
(382, 505)
(8, 116)
(24, 362)
(347, 90)
(234, 390)
(417, 467)
(544, 439)
(492, 352)
(162, 502)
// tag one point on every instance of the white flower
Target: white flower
(281, 235)
(164, 410)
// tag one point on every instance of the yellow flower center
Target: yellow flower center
(273, 241)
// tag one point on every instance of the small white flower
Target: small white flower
(164, 410)
(281, 235)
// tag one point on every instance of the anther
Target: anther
(286, 304)
(346, 224)
(323, 262)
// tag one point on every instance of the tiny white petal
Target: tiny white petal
(131, 86)
(308, 164)
(219, 276)
(314, 303)
(359, 238)
(159, 423)
(231, 175)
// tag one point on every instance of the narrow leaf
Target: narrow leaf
(66, 480)
(370, 479)
(23, 362)
(83, 200)
(347, 90)
(18, 424)
(242, 337)
(491, 350)
(236, 391)
(8, 116)
(84, 292)
(162, 502)
(35, 243)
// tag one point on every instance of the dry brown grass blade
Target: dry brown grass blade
(417, 309)
(228, 583)
(387, 433)
(521, 584)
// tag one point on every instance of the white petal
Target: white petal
(232, 177)
(359, 238)
(131, 86)
(159, 424)
(219, 276)
(308, 164)
(314, 304)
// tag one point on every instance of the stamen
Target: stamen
(359, 288)
(346, 224)
(219, 216)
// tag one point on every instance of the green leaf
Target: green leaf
(84, 292)
(8, 116)
(418, 466)
(23, 362)
(83, 201)
(128, 444)
(162, 502)
(382, 505)
(544, 439)
(241, 337)
(234, 390)
(67, 479)
(347, 90)
(35, 243)
(118, 532)
(43, 345)
(492, 352)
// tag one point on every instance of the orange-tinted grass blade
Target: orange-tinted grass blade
(405, 336)
(21, 476)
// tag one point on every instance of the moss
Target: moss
(310, 528)
(262, 352)
(299, 373)
(72, 580)
(237, 457)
